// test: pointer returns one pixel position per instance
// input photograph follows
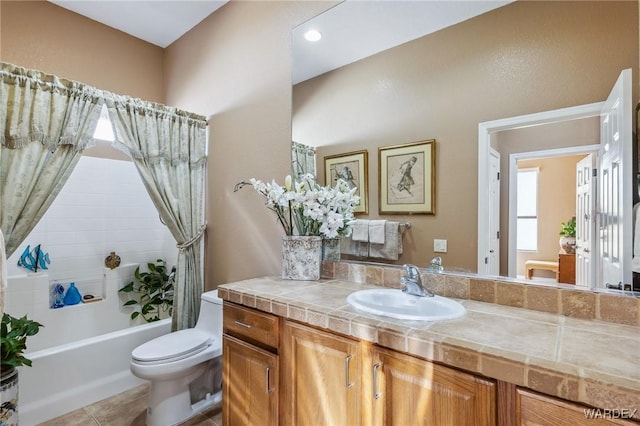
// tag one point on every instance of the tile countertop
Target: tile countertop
(589, 361)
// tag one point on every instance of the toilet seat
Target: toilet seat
(172, 347)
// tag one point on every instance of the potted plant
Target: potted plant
(568, 236)
(13, 340)
(152, 291)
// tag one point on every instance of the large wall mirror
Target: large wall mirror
(508, 61)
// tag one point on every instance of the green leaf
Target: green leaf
(127, 288)
(148, 290)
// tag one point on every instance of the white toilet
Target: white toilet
(184, 367)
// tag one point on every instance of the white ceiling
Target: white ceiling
(352, 30)
(355, 29)
(159, 22)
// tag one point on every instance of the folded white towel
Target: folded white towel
(360, 230)
(376, 231)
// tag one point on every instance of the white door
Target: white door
(493, 257)
(615, 193)
(585, 209)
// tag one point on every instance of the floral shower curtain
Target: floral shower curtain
(168, 147)
(45, 124)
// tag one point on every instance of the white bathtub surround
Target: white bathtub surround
(104, 207)
(70, 376)
(30, 294)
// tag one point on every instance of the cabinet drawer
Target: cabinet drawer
(248, 324)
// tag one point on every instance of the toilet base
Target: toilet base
(174, 401)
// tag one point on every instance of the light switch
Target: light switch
(440, 246)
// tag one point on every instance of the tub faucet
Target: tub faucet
(411, 283)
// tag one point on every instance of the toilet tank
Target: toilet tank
(210, 318)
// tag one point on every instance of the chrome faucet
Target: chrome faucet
(436, 265)
(412, 284)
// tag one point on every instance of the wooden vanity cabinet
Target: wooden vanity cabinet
(321, 377)
(410, 391)
(250, 367)
(277, 371)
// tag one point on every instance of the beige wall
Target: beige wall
(556, 204)
(235, 68)
(523, 58)
(41, 35)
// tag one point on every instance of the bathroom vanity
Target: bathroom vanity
(296, 353)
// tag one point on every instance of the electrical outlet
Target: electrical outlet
(440, 246)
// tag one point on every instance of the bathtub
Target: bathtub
(70, 376)
(82, 353)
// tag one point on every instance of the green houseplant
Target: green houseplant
(568, 229)
(568, 236)
(152, 291)
(13, 340)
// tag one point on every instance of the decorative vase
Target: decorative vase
(301, 257)
(112, 261)
(72, 297)
(9, 394)
(331, 249)
(568, 244)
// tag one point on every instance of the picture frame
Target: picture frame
(352, 167)
(407, 178)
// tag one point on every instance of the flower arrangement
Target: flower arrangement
(308, 209)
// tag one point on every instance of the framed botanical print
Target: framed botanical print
(407, 178)
(351, 167)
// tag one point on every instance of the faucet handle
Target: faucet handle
(411, 271)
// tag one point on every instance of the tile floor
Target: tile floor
(125, 409)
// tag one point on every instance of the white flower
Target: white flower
(306, 208)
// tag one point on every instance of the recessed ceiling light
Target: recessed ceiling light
(313, 35)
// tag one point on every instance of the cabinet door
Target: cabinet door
(534, 409)
(411, 391)
(249, 384)
(321, 382)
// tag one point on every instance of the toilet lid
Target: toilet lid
(173, 345)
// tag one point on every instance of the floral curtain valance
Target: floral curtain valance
(39, 107)
(148, 122)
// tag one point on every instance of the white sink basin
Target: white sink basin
(396, 304)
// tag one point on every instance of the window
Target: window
(527, 210)
(104, 132)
